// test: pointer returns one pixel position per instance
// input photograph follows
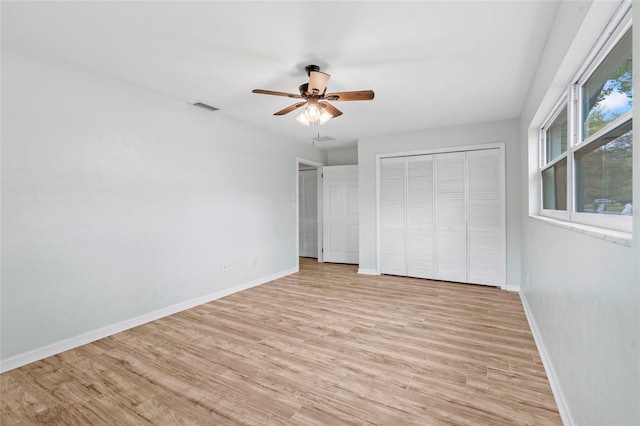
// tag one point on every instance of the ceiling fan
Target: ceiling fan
(315, 98)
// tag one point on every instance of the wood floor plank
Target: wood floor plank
(322, 346)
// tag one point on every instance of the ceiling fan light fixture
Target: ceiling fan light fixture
(324, 117)
(302, 119)
(312, 111)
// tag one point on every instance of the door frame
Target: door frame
(296, 199)
(462, 148)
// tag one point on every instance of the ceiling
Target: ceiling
(430, 63)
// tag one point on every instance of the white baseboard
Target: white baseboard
(368, 271)
(91, 336)
(512, 287)
(561, 401)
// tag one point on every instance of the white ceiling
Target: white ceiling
(431, 64)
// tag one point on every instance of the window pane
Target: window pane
(554, 186)
(604, 172)
(608, 92)
(556, 136)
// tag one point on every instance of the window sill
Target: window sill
(617, 237)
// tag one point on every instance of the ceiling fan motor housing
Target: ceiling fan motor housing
(310, 68)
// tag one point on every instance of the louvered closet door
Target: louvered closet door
(451, 232)
(308, 213)
(420, 217)
(484, 217)
(392, 216)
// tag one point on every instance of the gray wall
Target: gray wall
(583, 292)
(117, 202)
(342, 157)
(473, 134)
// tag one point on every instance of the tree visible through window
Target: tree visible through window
(604, 174)
(604, 167)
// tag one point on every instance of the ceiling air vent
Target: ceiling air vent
(205, 106)
(323, 139)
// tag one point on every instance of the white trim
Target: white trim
(618, 237)
(368, 271)
(554, 214)
(442, 150)
(557, 109)
(512, 287)
(555, 161)
(503, 222)
(604, 221)
(378, 256)
(561, 401)
(617, 26)
(100, 333)
(608, 128)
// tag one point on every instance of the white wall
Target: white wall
(473, 134)
(118, 202)
(342, 157)
(583, 293)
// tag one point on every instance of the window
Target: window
(556, 136)
(607, 93)
(554, 186)
(586, 142)
(554, 172)
(603, 174)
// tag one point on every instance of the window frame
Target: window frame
(543, 165)
(572, 99)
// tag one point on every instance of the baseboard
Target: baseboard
(512, 287)
(368, 271)
(91, 336)
(561, 401)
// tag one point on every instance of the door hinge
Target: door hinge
(322, 250)
(321, 175)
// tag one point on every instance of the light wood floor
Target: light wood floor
(325, 346)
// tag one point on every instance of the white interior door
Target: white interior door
(340, 214)
(308, 213)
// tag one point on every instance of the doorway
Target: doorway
(308, 209)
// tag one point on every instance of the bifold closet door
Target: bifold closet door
(451, 221)
(420, 217)
(485, 233)
(442, 216)
(392, 216)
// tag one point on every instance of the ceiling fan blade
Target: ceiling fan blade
(318, 80)
(335, 112)
(358, 95)
(290, 108)
(271, 92)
